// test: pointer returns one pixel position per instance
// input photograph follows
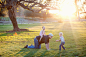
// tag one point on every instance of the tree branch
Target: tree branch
(30, 8)
(25, 7)
(35, 3)
(2, 5)
(27, 1)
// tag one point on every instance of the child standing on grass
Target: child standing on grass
(42, 33)
(62, 41)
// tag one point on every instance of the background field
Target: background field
(12, 45)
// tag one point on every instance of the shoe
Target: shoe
(26, 46)
(31, 45)
(64, 48)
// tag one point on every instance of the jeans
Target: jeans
(62, 43)
(36, 44)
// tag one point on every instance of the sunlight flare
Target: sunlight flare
(53, 11)
(67, 8)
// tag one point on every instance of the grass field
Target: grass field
(12, 45)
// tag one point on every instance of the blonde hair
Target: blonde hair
(43, 27)
(60, 33)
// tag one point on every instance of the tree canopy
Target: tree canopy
(11, 6)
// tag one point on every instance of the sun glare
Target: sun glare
(66, 9)
(53, 11)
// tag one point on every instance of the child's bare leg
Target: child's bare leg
(40, 38)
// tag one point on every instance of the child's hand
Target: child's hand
(57, 40)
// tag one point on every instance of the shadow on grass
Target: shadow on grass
(43, 54)
(10, 33)
(0, 55)
(26, 52)
(60, 54)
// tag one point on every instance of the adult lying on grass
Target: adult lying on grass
(37, 43)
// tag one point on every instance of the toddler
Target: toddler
(62, 41)
(42, 33)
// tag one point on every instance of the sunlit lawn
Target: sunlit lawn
(12, 45)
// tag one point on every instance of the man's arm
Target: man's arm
(47, 46)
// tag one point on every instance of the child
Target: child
(42, 33)
(62, 41)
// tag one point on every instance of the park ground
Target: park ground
(12, 44)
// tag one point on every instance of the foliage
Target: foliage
(1, 12)
(32, 14)
(73, 32)
(4, 18)
(42, 14)
(11, 6)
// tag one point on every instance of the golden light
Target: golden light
(66, 9)
(53, 11)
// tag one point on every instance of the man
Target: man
(37, 43)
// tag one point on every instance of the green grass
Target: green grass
(10, 27)
(11, 45)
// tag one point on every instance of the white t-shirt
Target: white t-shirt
(42, 32)
(62, 39)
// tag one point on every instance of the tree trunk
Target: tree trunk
(12, 17)
(77, 11)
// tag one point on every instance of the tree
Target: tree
(80, 7)
(12, 5)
